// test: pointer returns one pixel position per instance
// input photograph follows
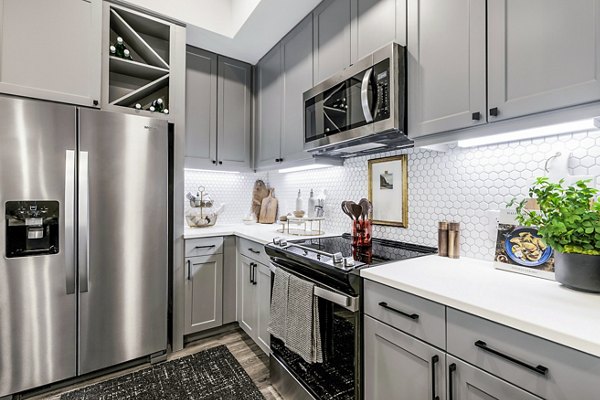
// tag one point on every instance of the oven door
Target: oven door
(338, 376)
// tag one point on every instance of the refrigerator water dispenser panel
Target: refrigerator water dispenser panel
(32, 228)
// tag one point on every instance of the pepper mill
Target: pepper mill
(443, 239)
(454, 239)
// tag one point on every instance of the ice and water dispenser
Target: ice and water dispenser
(32, 228)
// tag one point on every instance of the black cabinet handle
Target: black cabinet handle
(255, 281)
(476, 116)
(250, 249)
(451, 370)
(212, 246)
(414, 317)
(214, 161)
(277, 160)
(494, 112)
(540, 369)
(434, 360)
(251, 266)
(220, 162)
(189, 263)
(96, 102)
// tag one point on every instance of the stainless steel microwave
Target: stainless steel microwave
(360, 109)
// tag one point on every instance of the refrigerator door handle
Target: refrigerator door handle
(70, 220)
(84, 217)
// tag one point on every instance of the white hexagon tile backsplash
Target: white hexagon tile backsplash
(462, 184)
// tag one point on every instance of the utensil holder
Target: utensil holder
(362, 232)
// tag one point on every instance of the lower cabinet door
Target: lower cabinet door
(203, 293)
(398, 366)
(264, 307)
(466, 382)
(247, 302)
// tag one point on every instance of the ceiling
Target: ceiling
(241, 29)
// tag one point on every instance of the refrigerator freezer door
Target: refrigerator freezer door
(37, 292)
(123, 183)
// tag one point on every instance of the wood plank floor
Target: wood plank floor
(249, 355)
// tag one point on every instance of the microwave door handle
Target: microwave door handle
(364, 96)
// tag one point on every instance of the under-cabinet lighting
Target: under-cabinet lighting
(304, 168)
(549, 130)
(213, 171)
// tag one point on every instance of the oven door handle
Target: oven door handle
(348, 302)
(364, 96)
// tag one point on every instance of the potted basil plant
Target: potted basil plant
(568, 220)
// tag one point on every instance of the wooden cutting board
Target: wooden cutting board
(268, 209)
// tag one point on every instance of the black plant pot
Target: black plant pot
(578, 271)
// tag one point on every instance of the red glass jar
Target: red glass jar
(362, 232)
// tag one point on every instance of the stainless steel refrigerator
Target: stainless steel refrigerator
(83, 272)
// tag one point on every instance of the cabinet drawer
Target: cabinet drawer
(544, 368)
(203, 247)
(414, 315)
(253, 250)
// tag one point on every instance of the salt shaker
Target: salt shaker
(454, 239)
(443, 239)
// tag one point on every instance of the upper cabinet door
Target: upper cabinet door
(332, 38)
(52, 49)
(543, 55)
(298, 78)
(270, 95)
(201, 109)
(376, 25)
(234, 114)
(446, 65)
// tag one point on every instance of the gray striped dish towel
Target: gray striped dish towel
(303, 335)
(279, 304)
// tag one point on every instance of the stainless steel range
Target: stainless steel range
(333, 265)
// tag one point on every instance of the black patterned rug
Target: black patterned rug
(208, 375)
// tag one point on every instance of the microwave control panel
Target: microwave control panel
(382, 79)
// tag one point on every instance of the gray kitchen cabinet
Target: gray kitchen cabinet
(446, 65)
(234, 94)
(332, 21)
(466, 382)
(200, 108)
(378, 23)
(297, 49)
(203, 293)
(263, 287)
(396, 363)
(270, 95)
(218, 112)
(247, 300)
(542, 55)
(254, 292)
(52, 50)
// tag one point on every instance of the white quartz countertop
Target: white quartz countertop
(537, 306)
(261, 233)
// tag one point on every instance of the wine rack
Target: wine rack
(146, 76)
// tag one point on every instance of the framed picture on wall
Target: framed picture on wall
(388, 190)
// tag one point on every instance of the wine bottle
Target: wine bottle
(138, 106)
(120, 47)
(166, 111)
(113, 50)
(127, 54)
(158, 105)
(152, 109)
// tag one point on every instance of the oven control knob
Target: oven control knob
(283, 242)
(276, 240)
(338, 258)
(348, 262)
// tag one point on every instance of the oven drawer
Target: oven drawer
(253, 250)
(414, 315)
(203, 247)
(544, 368)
